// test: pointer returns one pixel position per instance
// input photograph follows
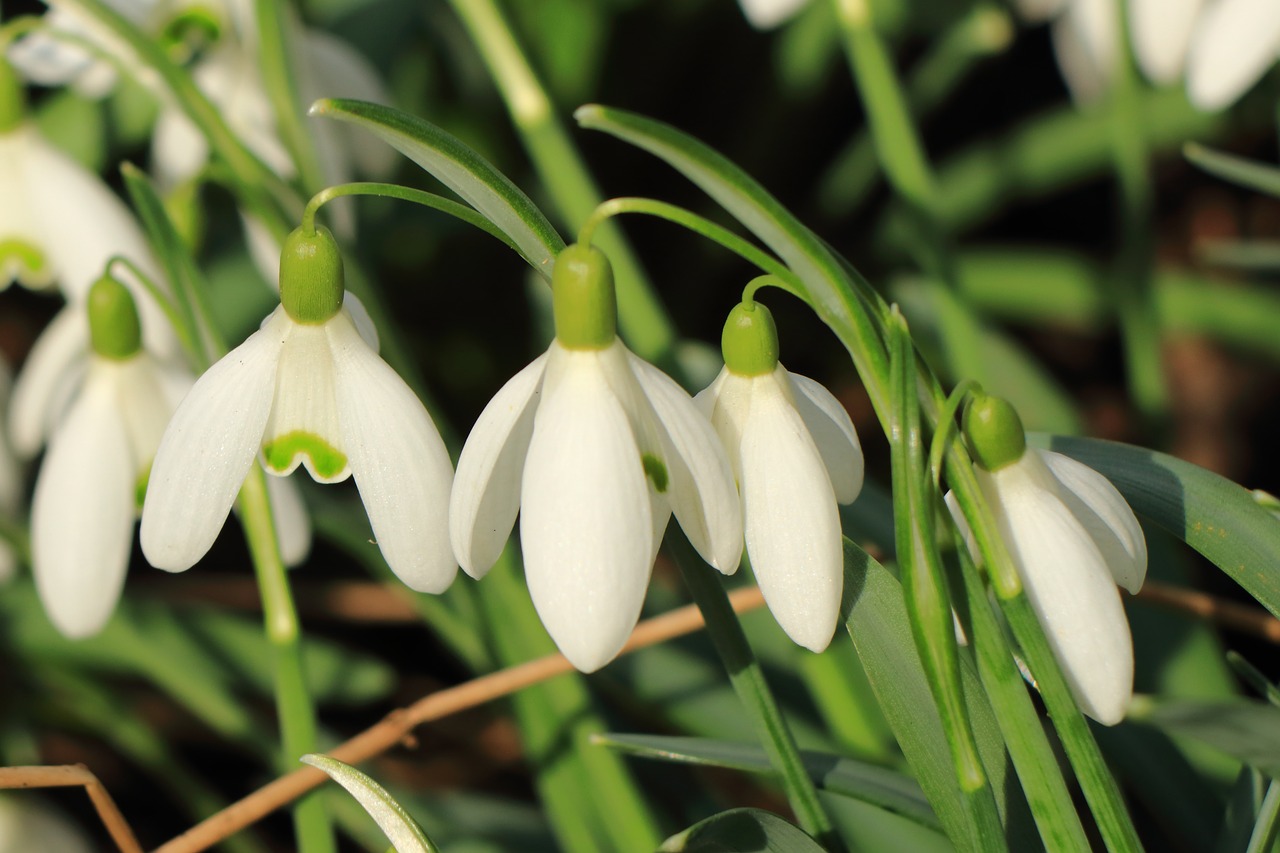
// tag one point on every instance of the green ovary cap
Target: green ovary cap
(13, 100)
(994, 431)
(586, 307)
(311, 277)
(114, 329)
(749, 341)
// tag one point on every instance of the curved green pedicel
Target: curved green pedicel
(30, 261)
(115, 331)
(994, 432)
(193, 30)
(749, 341)
(311, 276)
(13, 98)
(326, 460)
(583, 299)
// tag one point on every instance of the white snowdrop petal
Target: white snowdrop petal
(700, 483)
(360, 317)
(1161, 32)
(83, 510)
(24, 256)
(303, 428)
(178, 148)
(1067, 582)
(1099, 506)
(293, 525)
(832, 431)
(82, 223)
(962, 525)
(767, 14)
(145, 405)
(205, 454)
(792, 526)
(399, 461)
(585, 523)
(54, 365)
(1234, 44)
(1085, 72)
(486, 487)
(263, 248)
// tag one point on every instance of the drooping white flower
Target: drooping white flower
(308, 388)
(1072, 538)
(48, 57)
(1221, 47)
(594, 448)
(767, 14)
(795, 453)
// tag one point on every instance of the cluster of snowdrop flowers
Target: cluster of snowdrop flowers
(595, 449)
(308, 388)
(1221, 47)
(795, 454)
(1072, 538)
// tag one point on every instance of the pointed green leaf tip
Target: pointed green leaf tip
(994, 432)
(749, 341)
(114, 329)
(13, 101)
(585, 305)
(311, 277)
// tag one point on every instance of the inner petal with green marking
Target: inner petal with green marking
(323, 460)
(656, 470)
(303, 428)
(25, 262)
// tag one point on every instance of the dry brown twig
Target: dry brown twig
(1228, 614)
(73, 775)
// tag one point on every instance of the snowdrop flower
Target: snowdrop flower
(767, 14)
(45, 56)
(795, 454)
(1221, 47)
(1072, 538)
(594, 448)
(60, 224)
(88, 489)
(307, 388)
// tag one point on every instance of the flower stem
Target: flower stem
(645, 323)
(293, 700)
(749, 683)
(1134, 297)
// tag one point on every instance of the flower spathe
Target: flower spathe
(308, 388)
(795, 454)
(1072, 538)
(595, 449)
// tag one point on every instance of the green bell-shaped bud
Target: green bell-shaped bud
(749, 341)
(994, 432)
(115, 332)
(311, 276)
(583, 299)
(13, 98)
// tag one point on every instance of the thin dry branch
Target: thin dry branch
(1228, 614)
(398, 725)
(76, 775)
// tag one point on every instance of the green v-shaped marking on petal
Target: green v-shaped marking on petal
(326, 460)
(26, 257)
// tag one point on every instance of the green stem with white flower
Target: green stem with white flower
(752, 688)
(645, 323)
(293, 699)
(1132, 283)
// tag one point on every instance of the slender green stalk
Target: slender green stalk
(293, 701)
(1033, 757)
(695, 223)
(276, 26)
(426, 199)
(925, 588)
(1267, 826)
(749, 683)
(644, 321)
(986, 30)
(1132, 286)
(907, 168)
